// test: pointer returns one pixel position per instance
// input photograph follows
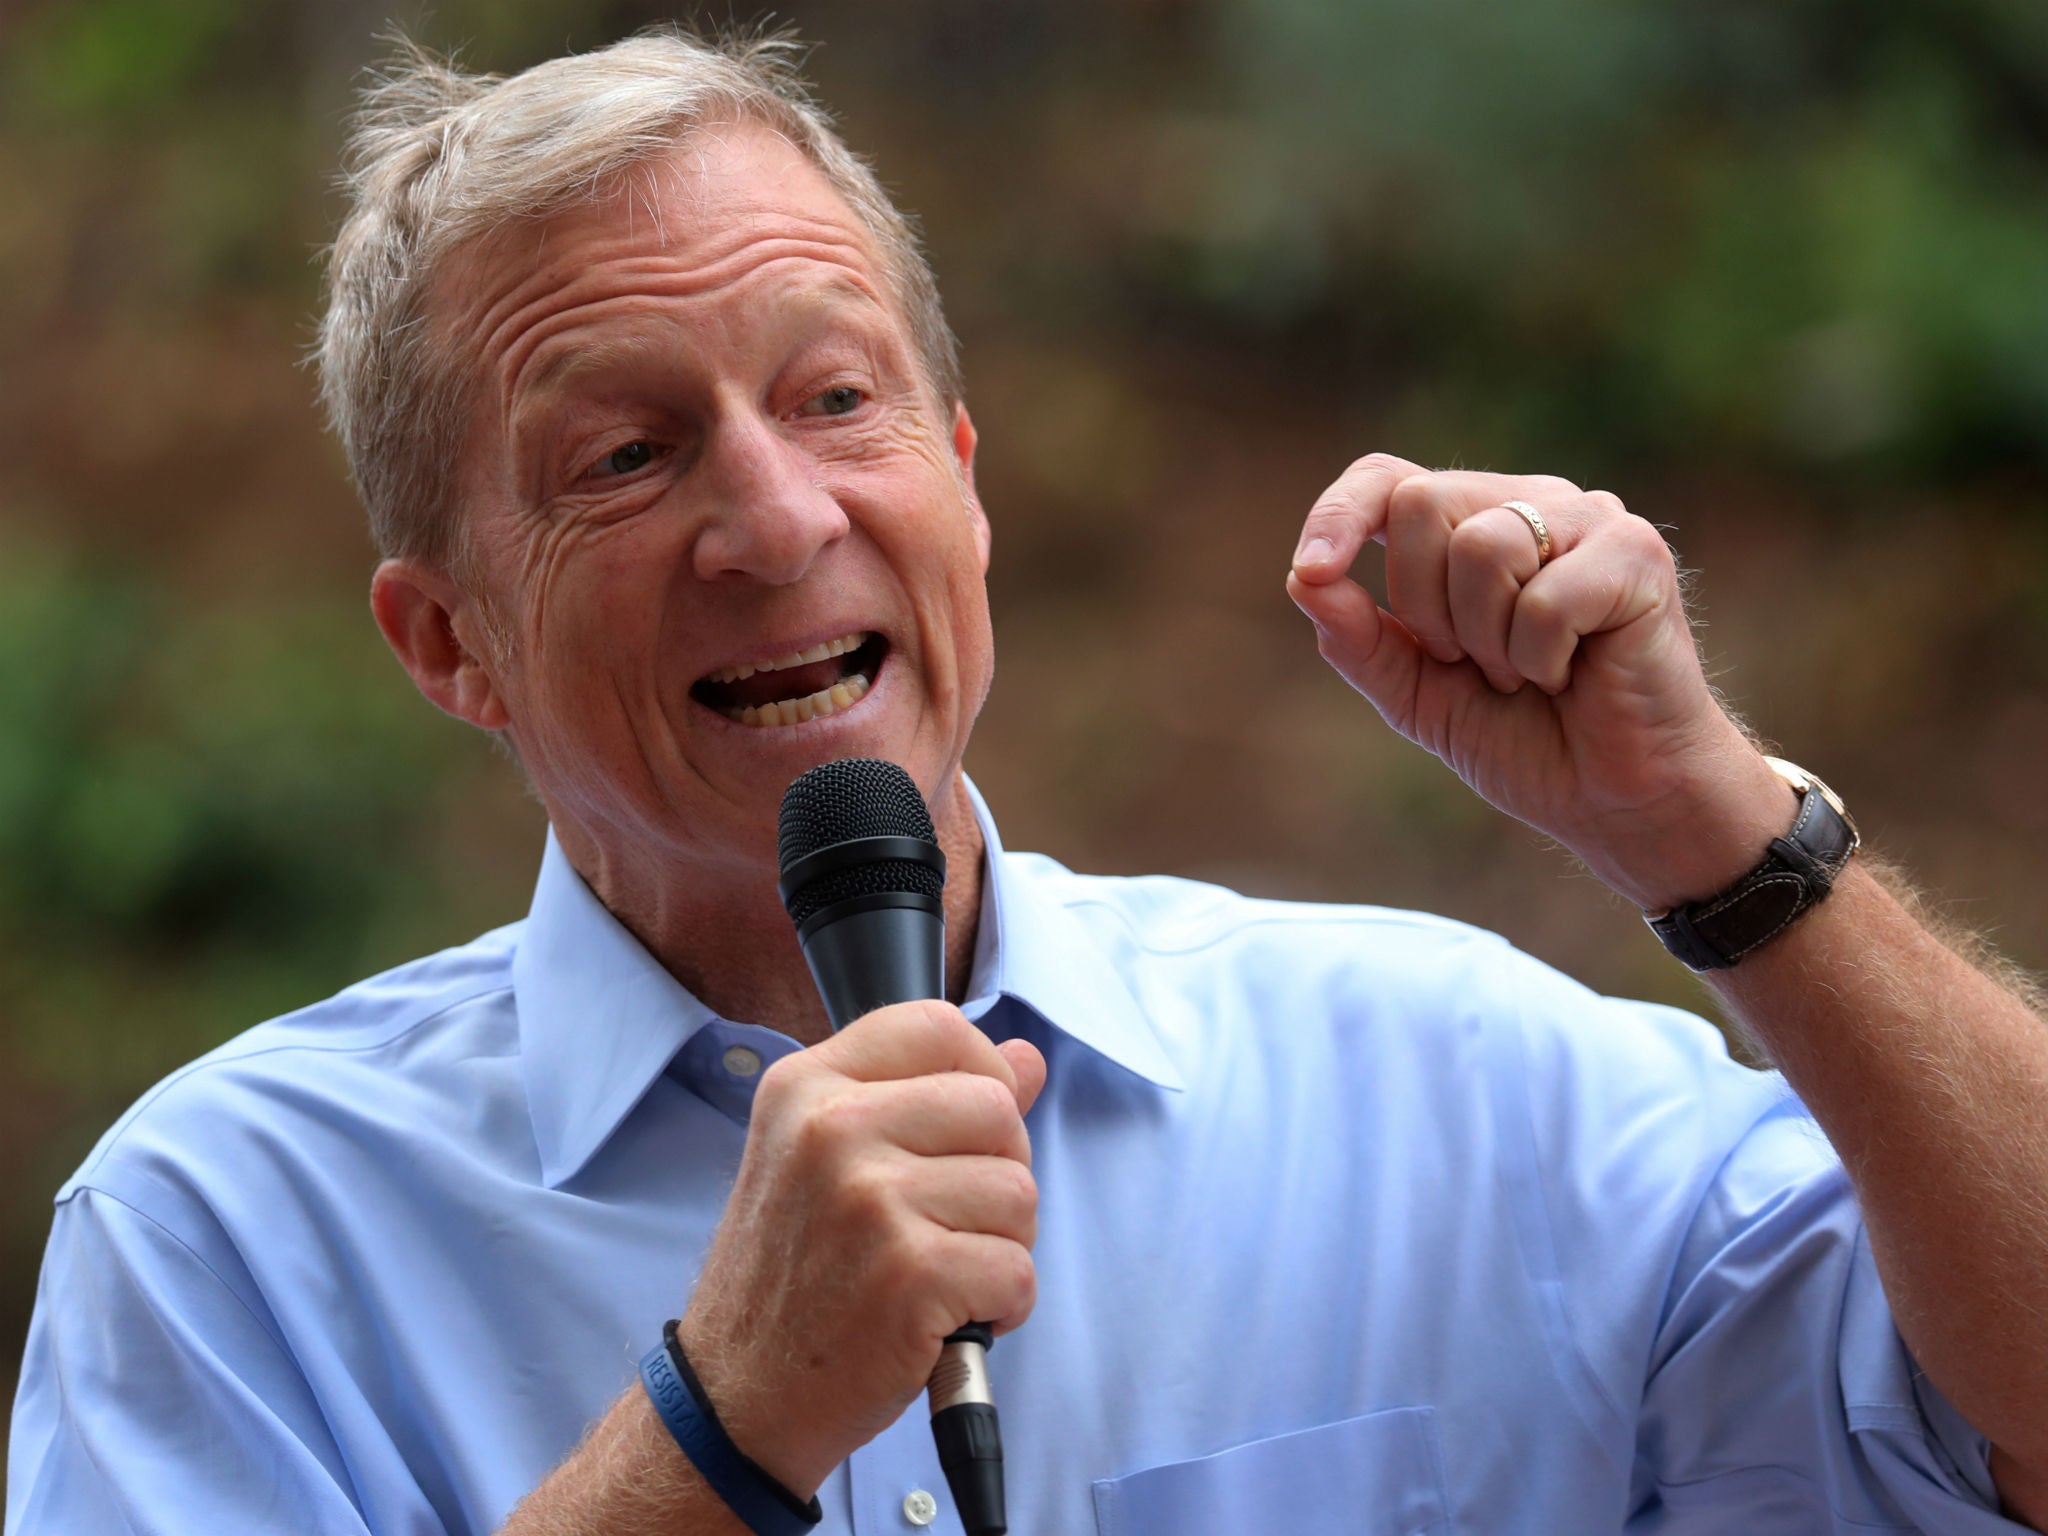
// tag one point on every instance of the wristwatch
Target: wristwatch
(1798, 870)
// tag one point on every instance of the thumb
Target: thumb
(1370, 648)
(1029, 1065)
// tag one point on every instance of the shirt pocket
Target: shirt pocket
(1380, 1475)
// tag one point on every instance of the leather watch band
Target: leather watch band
(1798, 871)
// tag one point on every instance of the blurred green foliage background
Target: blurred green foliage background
(1775, 271)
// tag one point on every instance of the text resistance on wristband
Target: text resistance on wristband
(767, 1508)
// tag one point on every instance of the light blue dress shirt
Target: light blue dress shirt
(1352, 1220)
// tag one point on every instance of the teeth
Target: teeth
(826, 701)
(820, 652)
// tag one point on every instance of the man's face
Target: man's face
(702, 446)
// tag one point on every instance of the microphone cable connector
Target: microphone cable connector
(966, 1431)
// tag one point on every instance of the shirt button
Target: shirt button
(741, 1062)
(919, 1507)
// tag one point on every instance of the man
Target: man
(1326, 1218)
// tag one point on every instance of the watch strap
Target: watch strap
(1797, 871)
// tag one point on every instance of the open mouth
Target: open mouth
(804, 685)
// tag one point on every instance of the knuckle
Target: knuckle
(785, 1104)
(1330, 506)
(867, 1195)
(960, 1031)
(1643, 538)
(778, 1084)
(994, 1094)
(989, 1097)
(1411, 494)
(1606, 503)
(1326, 515)
(1007, 1200)
(787, 1074)
(1023, 1188)
(934, 1015)
(910, 1266)
(1018, 1278)
(1553, 486)
(1483, 537)
(827, 1125)
(925, 1027)
(1540, 610)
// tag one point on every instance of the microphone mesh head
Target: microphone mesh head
(838, 802)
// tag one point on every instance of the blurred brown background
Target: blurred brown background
(1774, 271)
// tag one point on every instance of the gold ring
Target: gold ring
(1537, 526)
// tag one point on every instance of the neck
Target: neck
(721, 930)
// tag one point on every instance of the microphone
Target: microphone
(861, 875)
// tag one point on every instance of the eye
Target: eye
(627, 457)
(836, 401)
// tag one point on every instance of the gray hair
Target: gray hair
(437, 158)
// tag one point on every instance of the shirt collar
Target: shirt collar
(600, 1018)
(1030, 946)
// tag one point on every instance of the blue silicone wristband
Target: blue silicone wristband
(766, 1507)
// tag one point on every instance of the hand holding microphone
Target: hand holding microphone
(862, 875)
(884, 1196)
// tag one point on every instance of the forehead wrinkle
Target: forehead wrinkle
(541, 364)
(497, 327)
(764, 234)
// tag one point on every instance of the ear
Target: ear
(432, 626)
(964, 441)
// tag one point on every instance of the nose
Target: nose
(769, 517)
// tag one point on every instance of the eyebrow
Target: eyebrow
(839, 299)
(604, 355)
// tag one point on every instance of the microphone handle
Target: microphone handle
(868, 952)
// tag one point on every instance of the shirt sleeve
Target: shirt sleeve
(1716, 1289)
(156, 1400)
(1778, 1381)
